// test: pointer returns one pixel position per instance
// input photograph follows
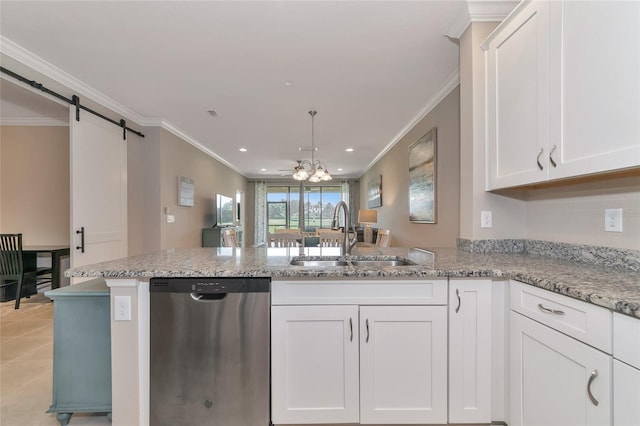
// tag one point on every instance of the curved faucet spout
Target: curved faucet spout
(347, 244)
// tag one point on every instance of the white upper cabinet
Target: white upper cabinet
(517, 99)
(563, 91)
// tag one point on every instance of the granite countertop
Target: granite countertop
(617, 289)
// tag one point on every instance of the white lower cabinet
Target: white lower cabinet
(369, 362)
(626, 370)
(403, 364)
(470, 372)
(314, 364)
(555, 379)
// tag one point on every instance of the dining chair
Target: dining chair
(282, 239)
(286, 231)
(384, 238)
(12, 267)
(229, 238)
(330, 238)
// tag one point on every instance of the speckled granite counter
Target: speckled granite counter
(614, 288)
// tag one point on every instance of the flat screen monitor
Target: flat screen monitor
(224, 210)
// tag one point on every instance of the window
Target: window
(283, 206)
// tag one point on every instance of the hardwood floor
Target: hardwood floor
(26, 359)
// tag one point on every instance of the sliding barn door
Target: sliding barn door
(98, 190)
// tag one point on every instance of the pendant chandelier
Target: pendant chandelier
(314, 170)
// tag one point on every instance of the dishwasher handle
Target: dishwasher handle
(204, 297)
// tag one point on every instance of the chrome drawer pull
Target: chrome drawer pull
(550, 311)
(538, 159)
(351, 328)
(593, 376)
(367, 323)
(459, 301)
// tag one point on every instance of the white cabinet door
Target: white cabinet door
(470, 351)
(594, 86)
(554, 377)
(517, 99)
(403, 364)
(626, 394)
(314, 364)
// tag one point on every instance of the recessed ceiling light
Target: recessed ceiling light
(349, 149)
(340, 170)
(288, 83)
(243, 150)
(263, 170)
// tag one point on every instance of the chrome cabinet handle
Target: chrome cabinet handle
(550, 311)
(538, 159)
(367, 324)
(593, 376)
(553, 163)
(459, 301)
(351, 328)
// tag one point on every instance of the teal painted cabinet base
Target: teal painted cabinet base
(81, 350)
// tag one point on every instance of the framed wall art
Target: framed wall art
(186, 191)
(422, 179)
(374, 192)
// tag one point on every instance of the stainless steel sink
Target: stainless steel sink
(371, 263)
(318, 263)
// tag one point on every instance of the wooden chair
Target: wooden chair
(330, 238)
(229, 238)
(12, 267)
(286, 231)
(384, 238)
(283, 239)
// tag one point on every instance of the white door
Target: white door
(555, 379)
(403, 364)
(314, 364)
(595, 86)
(517, 99)
(470, 351)
(98, 190)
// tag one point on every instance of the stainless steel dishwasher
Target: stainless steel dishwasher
(210, 351)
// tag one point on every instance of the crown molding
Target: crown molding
(26, 57)
(480, 11)
(33, 121)
(187, 138)
(452, 82)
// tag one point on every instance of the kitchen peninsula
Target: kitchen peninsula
(613, 288)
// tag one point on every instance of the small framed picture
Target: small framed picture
(186, 191)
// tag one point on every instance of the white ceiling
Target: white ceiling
(370, 69)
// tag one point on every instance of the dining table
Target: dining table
(30, 258)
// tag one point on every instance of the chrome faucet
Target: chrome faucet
(347, 243)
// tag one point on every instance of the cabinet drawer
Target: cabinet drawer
(626, 339)
(588, 323)
(359, 292)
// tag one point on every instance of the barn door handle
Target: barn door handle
(81, 246)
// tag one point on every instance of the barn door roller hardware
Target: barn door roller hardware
(75, 100)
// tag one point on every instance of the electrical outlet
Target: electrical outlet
(486, 221)
(613, 220)
(122, 308)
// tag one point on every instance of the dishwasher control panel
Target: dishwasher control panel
(205, 285)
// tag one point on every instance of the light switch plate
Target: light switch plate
(171, 218)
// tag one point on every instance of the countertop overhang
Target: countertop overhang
(613, 288)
